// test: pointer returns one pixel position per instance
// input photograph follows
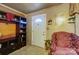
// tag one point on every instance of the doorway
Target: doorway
(39, 30)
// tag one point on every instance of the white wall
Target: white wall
(52, 13)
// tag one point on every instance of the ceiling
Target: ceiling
(30, 7)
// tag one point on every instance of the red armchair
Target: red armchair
(64, 43)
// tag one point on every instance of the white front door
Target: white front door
(39, 30)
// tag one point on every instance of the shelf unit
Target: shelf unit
(22, 31)
(11, 44)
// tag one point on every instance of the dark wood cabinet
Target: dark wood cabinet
(10, 44)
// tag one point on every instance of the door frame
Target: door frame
(32, 27)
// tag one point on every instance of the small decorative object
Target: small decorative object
(50, 22)
(21, 31)
(71, 19)
(4, 16)
(15, 19)
(47, 44)
(12, 43)
(0, 45)
(0, 16)
(22, 35)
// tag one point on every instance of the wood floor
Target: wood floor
(30, 50)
